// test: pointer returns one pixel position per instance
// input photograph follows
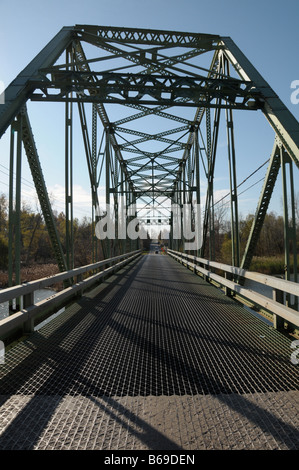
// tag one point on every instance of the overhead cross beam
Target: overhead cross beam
(146, 89)
(147, 36)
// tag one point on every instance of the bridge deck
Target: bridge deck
(154, 358)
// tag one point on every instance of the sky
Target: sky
(266, 31)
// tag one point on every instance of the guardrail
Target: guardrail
(25, 318)
(274, 306)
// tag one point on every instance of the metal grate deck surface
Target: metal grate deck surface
(160, 330)
(157, 330)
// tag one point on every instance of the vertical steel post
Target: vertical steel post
(11, 207)
(137, 240)
(69, 225)
(173, 245)
(94, 182)
(179, 242)
(180, 202)
(18, 203)
(289, 231)
(285, 213)
(123, 214)
(183, 202)
(211, 155)
(129, 216)
(294, 233)
(14, 244)
(170, 240)
(232, 180)
(116, 206)
(211, 222)
(197, 175)
(293, 215)
(107, 185)
(233, 190)
(177, 202)
(93, 238)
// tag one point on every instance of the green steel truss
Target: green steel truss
(170, 90)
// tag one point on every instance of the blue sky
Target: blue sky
(266, 31)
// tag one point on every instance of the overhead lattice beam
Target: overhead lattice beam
(147, 89)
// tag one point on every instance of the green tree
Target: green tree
(226, 249)
(83, 242)
(3, 215)
(31, 226)
(3, 252)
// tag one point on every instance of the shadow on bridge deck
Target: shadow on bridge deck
(153, 358)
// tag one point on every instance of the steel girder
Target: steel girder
(281, 119)
(146, 89)
(40, 185)
(146, 73)
(17, 93)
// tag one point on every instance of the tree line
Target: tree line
(36, 245)
(35, 241)
(271, 243)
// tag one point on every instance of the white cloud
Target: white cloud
(81, 199)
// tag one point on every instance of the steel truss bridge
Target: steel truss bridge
(151, 106)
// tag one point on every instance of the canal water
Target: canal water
(40, 294)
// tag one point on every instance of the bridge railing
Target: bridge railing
(226, 276)
(24, 320)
